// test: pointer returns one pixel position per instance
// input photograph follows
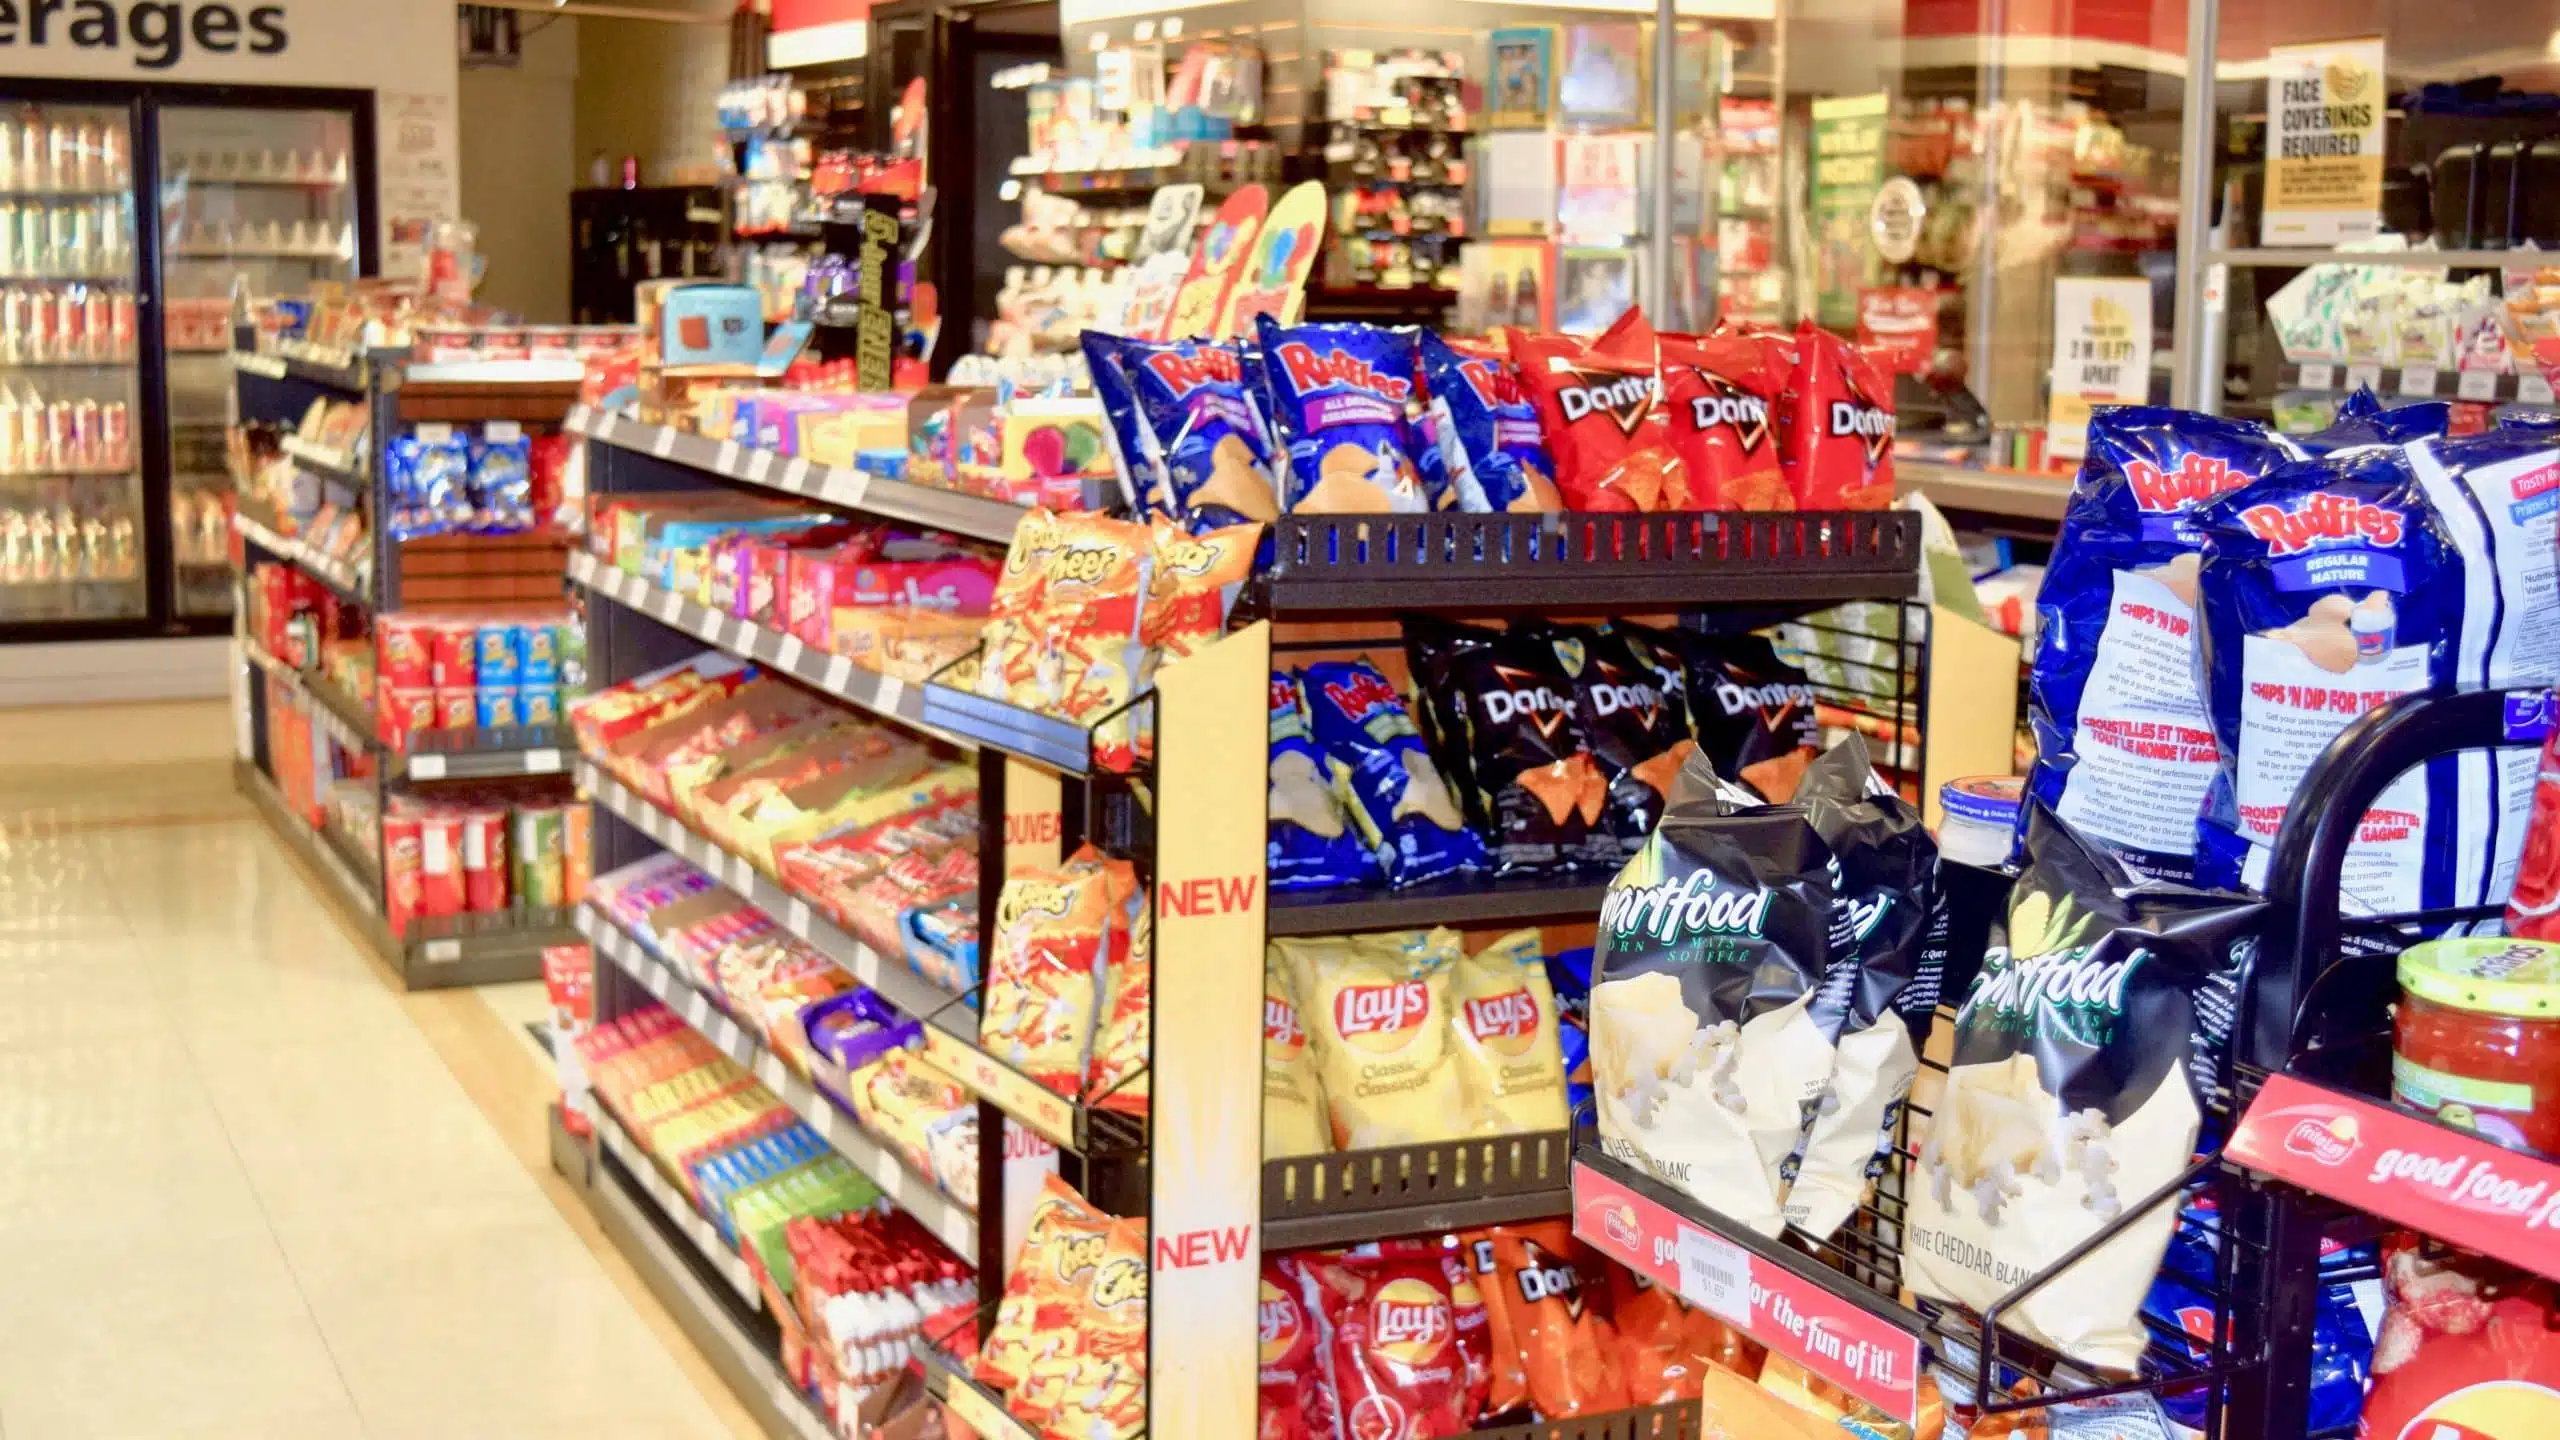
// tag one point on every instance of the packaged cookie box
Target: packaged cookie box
(847, 426)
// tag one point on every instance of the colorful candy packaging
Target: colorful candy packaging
(1136, 457)
(2124, 749)
(1485, 430)
(1311, 842)
(1518, 745)
(2333, 585)
(1384, 774)
(1192, 396)
(1601, 406)
(1338, 397)
(1837, 426)
(1722, 395)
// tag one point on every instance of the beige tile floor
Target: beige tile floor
(247, 1188)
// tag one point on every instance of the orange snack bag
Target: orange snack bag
(1105, 1395)
(1194, 587)
(1567, 1346)
(1090, 604)
(1473, 1327)
(1118, 1076)
(1058, 1213)
(1508, 1387)
(1052, 932)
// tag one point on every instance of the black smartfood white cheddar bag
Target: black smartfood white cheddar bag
(1885, 919)
(1705, 1051)
(2083, 1057)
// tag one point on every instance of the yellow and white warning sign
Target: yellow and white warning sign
(2324, 143)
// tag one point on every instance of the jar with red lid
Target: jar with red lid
(2477, 1039)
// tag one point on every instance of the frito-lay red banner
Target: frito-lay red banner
(2502, 1203)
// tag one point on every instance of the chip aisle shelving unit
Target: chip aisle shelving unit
(1191, 817)
(279, 383)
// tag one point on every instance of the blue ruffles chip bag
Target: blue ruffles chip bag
(1379, 766)
(2342, 1326)
(2364, 420)
(1133, 443)
(1338, 395)
(1191, 394)
(1484, 430)
(2123, 748)
(2335, 585)
(1311, 842)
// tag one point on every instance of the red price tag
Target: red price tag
(1828, 1334)
(2457, 1187)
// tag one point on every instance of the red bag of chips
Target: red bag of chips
(1721, 394)
(1601, 406)
(1474, 1328)
(1836, 426)
(1297, 1396)
(1553, 1292)
(1398, 1373)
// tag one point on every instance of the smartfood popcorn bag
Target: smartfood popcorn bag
(2083, 1055)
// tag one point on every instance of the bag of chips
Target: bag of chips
(1338, 397)
(1883, 986)
(1376, 1007)
(1297, 1393)
(1393, 1351)
(1118, 1077)
(2124, 749)
(1836, 430)
(1053, 932)
(1092, 603)
(1384, 774)
(1472, 1325)
(1639, 736)
(1102, 1359)
(1505, 1018)
(1555, 1291)
(2469, 1350)
(1722, 396)
(1507, 1383)
(2083, 1055)
(1059, 1244)
(1192, 589)
(1310, 844)
(1191, 393)
(1753, 713)
(1485, 430)
(1527, 767)
(1294, 1120)
(1601, 406)
(1705, 1051)
(1135, 456)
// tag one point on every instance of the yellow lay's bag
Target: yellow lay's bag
(1376, 1008)
(1503, 1018)
(1293, 1120)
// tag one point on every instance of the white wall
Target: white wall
(519, 162)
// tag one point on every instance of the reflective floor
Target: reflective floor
(247, 1188)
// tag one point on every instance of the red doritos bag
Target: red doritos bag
(1398, 1373)
(1721, 394)
(1836, 426)
(1554, 1293)
(1601, 406)
(1297, 1399)
(1509, 1382)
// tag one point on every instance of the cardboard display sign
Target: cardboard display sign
(1273, 280)
(1224, 249)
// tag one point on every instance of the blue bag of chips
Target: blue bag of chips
(2364, 420)
(2123, 748)
(1384, 774)
(1312, 844)
(2334, 585)
(1569, 975)
(1338, 396)
(2342, 1326)
(501, 483)
(1485, 431)
(1192, 395)
(1133, 445)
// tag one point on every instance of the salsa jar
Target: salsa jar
(2476, 1042)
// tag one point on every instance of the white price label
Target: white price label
(788, 656)
(769, 1070)
(757, 465)
(670, 605)
(2477, 385)
(2418, 381)
(795, 476)
(607, 423)
(2533, 389)
(741, 873)
(839, 670)
(663, 443)
(1715, 1273)
(541, 762)
(727, 461)
(426, 767)
(797, 918)
(442, 952)
(501, 430)
(844, 487)
(889, 693)
(2364, 377)
(2319, 377)
(434, 433)
(697, 1010)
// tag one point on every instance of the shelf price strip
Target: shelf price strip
(680, 1210)
(1860, 1351)
(2455, 1186)
(946, 1218)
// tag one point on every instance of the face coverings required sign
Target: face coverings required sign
(2324, 143)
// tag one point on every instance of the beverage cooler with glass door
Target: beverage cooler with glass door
(133, 219)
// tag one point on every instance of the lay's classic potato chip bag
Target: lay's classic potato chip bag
(1293, 1113)
(1504, 1014)
(1377, 1009)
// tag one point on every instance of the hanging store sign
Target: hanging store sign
(2324, 143)
(2101, 354)
(875, 324)
(1848, 170)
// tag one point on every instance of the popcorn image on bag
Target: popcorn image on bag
(2081, 1053)
(1377, 1010)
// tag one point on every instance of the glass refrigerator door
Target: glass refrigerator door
(256, 203)
(70, 492)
